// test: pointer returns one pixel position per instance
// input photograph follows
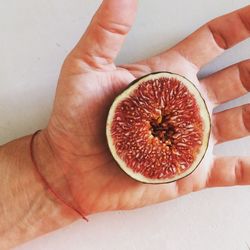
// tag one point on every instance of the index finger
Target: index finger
(213, 38)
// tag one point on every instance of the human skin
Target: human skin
(72, 152)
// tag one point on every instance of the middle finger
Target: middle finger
(228, 83)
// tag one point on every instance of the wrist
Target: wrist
(53, 171)
(28, 209)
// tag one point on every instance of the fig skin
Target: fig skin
(186, 173)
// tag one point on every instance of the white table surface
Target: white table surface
(35, 36)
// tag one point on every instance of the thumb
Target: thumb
(105, 35)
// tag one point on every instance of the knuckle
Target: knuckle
(114, 27)
(244, 70)
(239, 171)
(246, 117)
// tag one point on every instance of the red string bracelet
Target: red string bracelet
(46, 182)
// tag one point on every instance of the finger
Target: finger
(229, 83)
(104, 37)
(213, 38)
(229, 171)
(232, 124)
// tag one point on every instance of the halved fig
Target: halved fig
(158, 129)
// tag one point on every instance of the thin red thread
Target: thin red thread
(46, 182)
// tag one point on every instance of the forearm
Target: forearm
(27, 208)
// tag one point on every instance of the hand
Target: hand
(89, 82)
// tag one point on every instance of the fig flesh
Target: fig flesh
(158, 129)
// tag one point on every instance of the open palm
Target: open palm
(90, 81)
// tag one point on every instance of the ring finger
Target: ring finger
(231, 124)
